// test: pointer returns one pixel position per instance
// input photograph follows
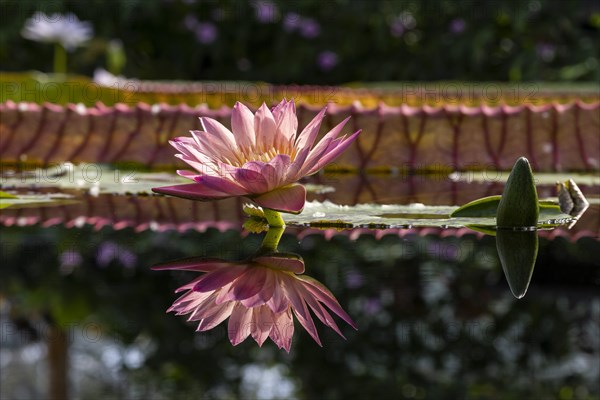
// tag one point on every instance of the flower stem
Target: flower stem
(274, 218)
(60, 59)
(271, 240)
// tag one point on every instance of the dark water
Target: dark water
(435, 316)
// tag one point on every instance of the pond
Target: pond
(434, 314)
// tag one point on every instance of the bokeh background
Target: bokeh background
(436, 318)
(322, 42)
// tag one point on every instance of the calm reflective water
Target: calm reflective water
(436, 318)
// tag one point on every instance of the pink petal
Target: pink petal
(204, 308)
(319, 311)
(318, 150)
(283, 330)
(219, 278)
(219, 132)
(256, 166)
(280, 164)
(187, 174)
(333, 154)
(278, 302)
(242, 124)
(239, 324)
(287, 123)
(322, 294)
(263, 321)
(189, 285)
(289, 199)
(265, 293)
(272, 175)
(215, 319)
(293, 171)
(249, 283)
(252, 181)
(214, 148)
(283, 261)
(299, 307)
(310, 132)
(222, 184)
(189, 301)
(314, 159)
(193, 191)
(225, 294)
(265, 128)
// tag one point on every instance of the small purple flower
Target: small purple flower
(110, 251)
(397, 28)
(457, 25)
(70, 259)
(442, 251)
(265, 11)
(190, 22)
(206, 32)
(372, 306)
(327, 60)
(291, 22)
(310, 28)
(545, 51)
(400, 24)
(354, 279)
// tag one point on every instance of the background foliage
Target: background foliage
(334, 41)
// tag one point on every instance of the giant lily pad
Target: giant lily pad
(94, 178)
(129, 179)
(327, 215)
(34, 200)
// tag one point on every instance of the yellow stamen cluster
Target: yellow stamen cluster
(242, 156)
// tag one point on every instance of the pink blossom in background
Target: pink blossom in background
(206, 32)
(327, 60)
(265, 11)
(457, 25)
(67, 30)
(310, 28)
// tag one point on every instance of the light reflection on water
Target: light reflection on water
(436, 318)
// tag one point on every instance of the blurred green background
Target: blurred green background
(332, 42)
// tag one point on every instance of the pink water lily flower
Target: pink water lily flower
(262, 158)
(258, 296)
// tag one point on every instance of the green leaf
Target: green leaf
(483, 207)
(4, 195)
(487, 229)
(518, 206)
(487, 207)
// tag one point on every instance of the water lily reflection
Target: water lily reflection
(259, 296)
